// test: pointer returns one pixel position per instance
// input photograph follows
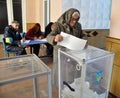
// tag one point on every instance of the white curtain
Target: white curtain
(95, 14)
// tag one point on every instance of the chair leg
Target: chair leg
(30, 49)
(8, 54)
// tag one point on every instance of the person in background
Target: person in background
(48, 29)
(68, 23)
(33, 34)
(13, 39)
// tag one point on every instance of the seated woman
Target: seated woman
(33, 34)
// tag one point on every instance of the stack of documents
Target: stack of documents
(71, 42)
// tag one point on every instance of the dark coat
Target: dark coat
(12, 33)
(62, 25)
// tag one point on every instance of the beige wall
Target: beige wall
(55, 9)
(34, 12)
(39, 11)
(30, 10)
(115, 19)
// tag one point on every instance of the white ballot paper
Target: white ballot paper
(72, 42)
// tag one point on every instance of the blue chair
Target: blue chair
(23, 34)
(5, 51)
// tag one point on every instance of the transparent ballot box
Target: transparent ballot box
(85, 73)
(24, 76)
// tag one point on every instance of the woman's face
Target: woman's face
(37, 28)
(73, 20)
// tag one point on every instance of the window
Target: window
(3, 15)
(17, 12)
(12, 10)
(95, 14)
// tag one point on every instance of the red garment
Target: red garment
(30, 35)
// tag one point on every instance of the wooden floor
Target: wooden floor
(1, 51)
(25, 88)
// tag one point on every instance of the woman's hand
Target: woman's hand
(35, 38)
(58, 38)
(40, 37)
(22, 40)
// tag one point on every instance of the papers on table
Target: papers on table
(41, 40)
(72, 42)
(31, 42)
(27, 41)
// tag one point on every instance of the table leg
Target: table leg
(35, 86)
(49, 86)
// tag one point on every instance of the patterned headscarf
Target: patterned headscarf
(65, 21)
(66, 16)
